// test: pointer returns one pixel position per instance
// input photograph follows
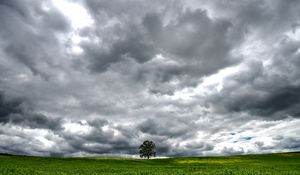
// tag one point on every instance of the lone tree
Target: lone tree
(147, 149)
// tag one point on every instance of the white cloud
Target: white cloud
(75, 12)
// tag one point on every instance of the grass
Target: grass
(270, 164)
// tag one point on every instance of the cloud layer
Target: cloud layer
(196, 77)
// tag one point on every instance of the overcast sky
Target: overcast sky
(98, 77)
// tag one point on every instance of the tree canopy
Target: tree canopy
(147, 149)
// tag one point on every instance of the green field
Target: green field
(273, 164)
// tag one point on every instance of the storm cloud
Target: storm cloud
(197, 77)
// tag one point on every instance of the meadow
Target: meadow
(270, 164)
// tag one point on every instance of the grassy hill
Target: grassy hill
(272, 164)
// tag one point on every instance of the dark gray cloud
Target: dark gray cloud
(270, 90)
(196, 44)
(289, 143)
(196, 77)
(28, 34)
(199, 43)
(8, 107)
(231, 151)
(14, 111)
(164, 127)
(283, 143)
(283, 102)
(134, 45)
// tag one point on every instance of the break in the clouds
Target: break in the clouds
(198, 78)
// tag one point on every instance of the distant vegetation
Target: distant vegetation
(270, 164)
